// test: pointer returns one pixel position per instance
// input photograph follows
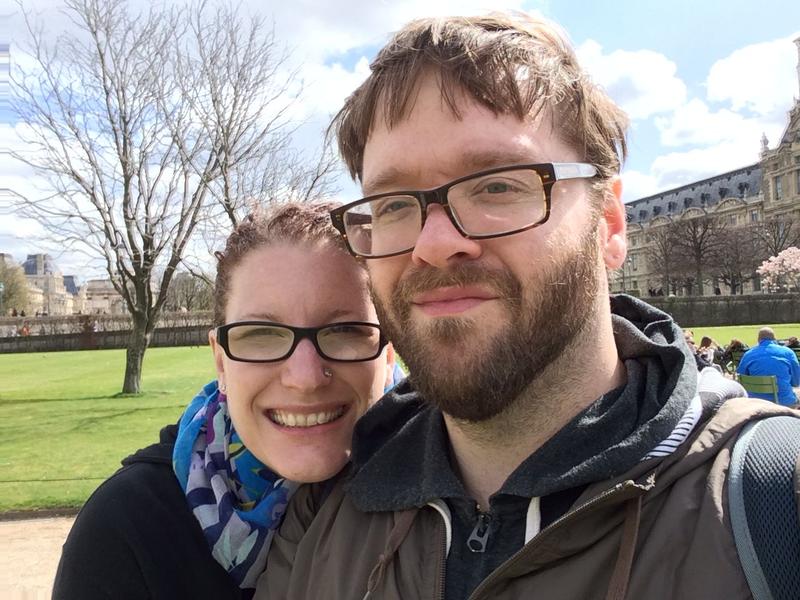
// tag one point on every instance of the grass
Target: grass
(747, 333)
(64, 428)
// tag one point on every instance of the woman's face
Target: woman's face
(305, 287)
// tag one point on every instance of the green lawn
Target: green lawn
(63, 429)
(747, 333)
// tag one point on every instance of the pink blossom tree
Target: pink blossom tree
(781, 273)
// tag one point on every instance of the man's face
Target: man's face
(477, 321)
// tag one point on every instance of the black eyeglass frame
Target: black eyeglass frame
(549, 173)
(299, 333)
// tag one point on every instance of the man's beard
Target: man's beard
(481, 376)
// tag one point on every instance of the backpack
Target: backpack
(764, 501)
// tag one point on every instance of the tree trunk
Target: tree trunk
(137, 344)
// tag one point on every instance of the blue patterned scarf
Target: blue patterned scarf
(237, 500)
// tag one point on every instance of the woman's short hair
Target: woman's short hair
(512, 64)
(292, 223)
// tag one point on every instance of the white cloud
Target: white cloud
(679, 168)
(694, 124)
(636, 184)
(325, 87)
(643, 82)
(758, 78)
(748, 93)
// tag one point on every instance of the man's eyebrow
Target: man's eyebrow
(392, 177)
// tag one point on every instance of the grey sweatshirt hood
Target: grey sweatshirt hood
(401, 451)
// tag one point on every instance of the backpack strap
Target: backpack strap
(763, 490)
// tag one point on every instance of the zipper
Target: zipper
(441, 508)
(440, 581)
(480, 533)
(583, 508)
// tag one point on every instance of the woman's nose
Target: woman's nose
(304, 369)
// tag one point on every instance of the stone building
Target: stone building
(761, 199)
(100, 297)
(51, 293)
(47, 293)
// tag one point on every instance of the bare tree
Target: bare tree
(735, 260)
(663, 256)
(696, 240)
(143, 125)
(777, 234)
(189, 292)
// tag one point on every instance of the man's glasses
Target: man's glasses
(264, 341)
(488, 204)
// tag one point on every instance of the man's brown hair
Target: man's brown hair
(291, 223)
(511, 64)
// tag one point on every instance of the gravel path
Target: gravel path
(29, 556)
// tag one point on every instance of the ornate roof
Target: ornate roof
(703, 194)
(39, 264)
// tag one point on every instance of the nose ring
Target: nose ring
(327, 372)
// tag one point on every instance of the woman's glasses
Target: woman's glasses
(264, 341)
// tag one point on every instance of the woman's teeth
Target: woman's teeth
(289, 419)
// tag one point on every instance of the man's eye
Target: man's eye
(497, 187)
(393, 206)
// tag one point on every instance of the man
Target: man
(770, 358)
(544, 428)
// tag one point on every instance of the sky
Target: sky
(702, 81)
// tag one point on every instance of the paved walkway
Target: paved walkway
(29, 553)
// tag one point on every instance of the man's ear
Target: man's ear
(613, 226)
(219, 354)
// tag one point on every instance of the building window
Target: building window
(778, 187)
(797, 182)
(732, 220)
(633, 240)
(634, 262)
(753, 216)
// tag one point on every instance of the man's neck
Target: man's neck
(486, 453)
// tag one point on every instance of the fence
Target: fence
(97, 332)
(753, 309)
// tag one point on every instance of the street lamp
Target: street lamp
(628, 261)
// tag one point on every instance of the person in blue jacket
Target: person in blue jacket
(770, 358)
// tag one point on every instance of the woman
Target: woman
(299, 357)
(710, 350)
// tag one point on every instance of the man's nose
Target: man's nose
(440, 244)
(303, 370)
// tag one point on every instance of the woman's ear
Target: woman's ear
(613, 225)
(219, 355)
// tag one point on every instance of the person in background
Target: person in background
(710, 350)
(299, 357)
(792, 342)
(770, 358)
(700, 360)
(735, 349)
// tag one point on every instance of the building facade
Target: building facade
(708, 237)
(51, 293)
